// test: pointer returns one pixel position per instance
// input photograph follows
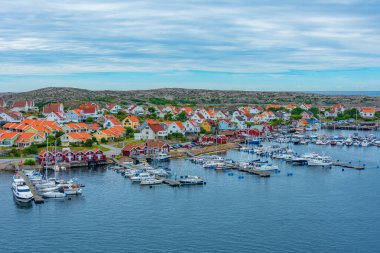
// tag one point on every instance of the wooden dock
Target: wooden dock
(170, 182)
(38, 199)
(349, 166)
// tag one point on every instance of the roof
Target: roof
(8, 135)
(368, 110)
(52, 107)
(156, 144)
(89, 107)
(12, 114)
(83, 136)
(129, 147)
(25, 137)
(133, 118)
(20, 103)
(156, 127)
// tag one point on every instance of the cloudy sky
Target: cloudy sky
(235, 44)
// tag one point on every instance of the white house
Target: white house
(153, 132)
(191, 126)
(367, 112)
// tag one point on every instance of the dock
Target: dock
(349, 166)
(38, 199)
(171, 182)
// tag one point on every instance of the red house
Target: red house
(99, 155)
(131, 149)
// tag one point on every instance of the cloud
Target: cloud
(63, 37)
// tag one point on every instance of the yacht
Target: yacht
(209, 165)
(150, 181)
(140, 177)
(161, 157)
(191, 180)
(320, 161)
(20, 190)
(348, 142)
(56, 194)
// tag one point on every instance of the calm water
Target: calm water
(315, 210)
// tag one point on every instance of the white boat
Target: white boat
(20, 190)
(46, 184)
(191, 180)
(209, 165)
(348, 142)
(161, 157)
(320, 161)
(53, 195)
(140, 177)
(364, 143)
(49, 189)
(150, 181)
(70, 189)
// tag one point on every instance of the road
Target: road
(112, 150)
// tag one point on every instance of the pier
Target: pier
(38, 199)
(349, 166)
(171, 182)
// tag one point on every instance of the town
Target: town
(120, 129)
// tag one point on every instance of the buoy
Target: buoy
(337, 160)
(290, 174)
(349, 162)
(150, 186)
(204, 182)
(342, 169)
(363, 164)
(69, 198)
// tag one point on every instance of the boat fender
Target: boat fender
(342, 169)
(204, 182)
(69, 198)
(290, 174)
(150, 186)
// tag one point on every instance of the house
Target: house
(130, 150)
(175, 127)
(282, 115)
(206, 126)
(74, 137)
(27, 139)
(154, 147)
(188, 111)
(240, 122)
(226, 125)
(23, 105)
(135, 110)
(8, 139)
(367, 112)
(331, 113)
(307, 115)
(110, 134)
(306, 106)
(55, 116)
(191, 126)
(198, 117)
(153, 131)
(90, 109)
(56, 108)
(302, 123)
(111, 121)
(75, 115)
(10, 116)
(131, 121)
(76, 128)
(113, 108)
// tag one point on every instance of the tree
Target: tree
(297, 111)
(90, 120)
(31, 150)
(29, 162)
(151, 110)
(88, 143)
(103, 140)
(182, 116)
(314, 110)
(14, 152)
(129, 132)
(377, 114)
(296, 117)
(168, 116)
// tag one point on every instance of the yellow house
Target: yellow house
(206, 126)
(131, 121)
(99, 135)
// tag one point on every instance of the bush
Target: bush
(31, 150)
(29, 162)
(103, 140)
(14, 152)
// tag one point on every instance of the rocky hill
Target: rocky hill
(185, 96)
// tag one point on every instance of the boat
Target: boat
(320, 161)
(161, 157)
(140, 177)
(191, 180)
(49, 189)
(150, 181)
(70, 188)
(348, 142)
(20, 190)
(209, 165)
(55, 194)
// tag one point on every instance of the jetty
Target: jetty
(171, 182)
(38, 199)
(349, 166)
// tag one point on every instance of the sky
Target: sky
(285, 45)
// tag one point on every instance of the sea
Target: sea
(299, 209)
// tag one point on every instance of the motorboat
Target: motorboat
(55, 194)
(320, 161)
(209, 165)
(348, 142)
(140, 177)
(49, 189)
(46, 184)
(191, 180)
(150, 181)
(161, 157)
(70, 188)
(20, 190)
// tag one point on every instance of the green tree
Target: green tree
(168, 116)
(29, 162)
(296, 117)
(90, 120)
(314, 110)
(297, 111)
(31, 150)
(182, 116)
(88, 143)
(103, 140)
(129, 132)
